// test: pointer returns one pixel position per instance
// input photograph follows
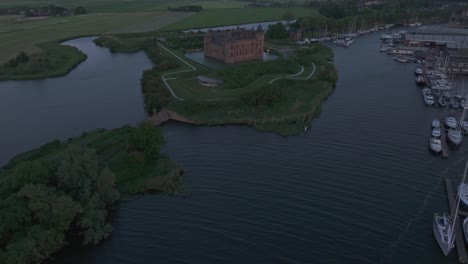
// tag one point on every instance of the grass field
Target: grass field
(210, 18)
(100, 6)
(24, 36)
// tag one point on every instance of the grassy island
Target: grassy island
(280, 96)
(54, 60)
(63, 190)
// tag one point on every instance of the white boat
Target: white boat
(402, 60)
(436, 123)
(463, 193)
(465, 126)
(426, 91)
(384, 49)
(418, 71)
(455, 137)
(443, 232)
(428, 99)
(436, 132)
(443, 225)
(465, 228)
(420, 80)
(435, 145)
(451, 122)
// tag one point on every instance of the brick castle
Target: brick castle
(235, 46)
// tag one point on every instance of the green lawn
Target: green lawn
(210, 18)
(100, 6)
(24, 36)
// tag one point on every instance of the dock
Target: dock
(459, 237)
(165, 115)
(443, 139)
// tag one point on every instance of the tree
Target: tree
(288, 16)
(80, 10)
(277, 31)
(146, 139)
(79, 176)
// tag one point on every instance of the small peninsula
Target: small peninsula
(64, 190)
(280, 95)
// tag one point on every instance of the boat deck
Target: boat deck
(443, 138)
(459, 237)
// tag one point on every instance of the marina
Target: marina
(440, 87)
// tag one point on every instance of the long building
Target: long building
(235, 46)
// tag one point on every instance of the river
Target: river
(360, 186)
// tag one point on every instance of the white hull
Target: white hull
(442, 232)
(463, 193)
(435, 145)
(455, 137)
(465, 228)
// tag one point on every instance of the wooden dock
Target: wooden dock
(443, 138)
(459, 237)
(165, 115)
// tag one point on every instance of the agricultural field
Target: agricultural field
(108, 6)
(17, 36)
(221, 17)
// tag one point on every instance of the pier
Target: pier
(165, 115)
(459, 237)
(443, 139)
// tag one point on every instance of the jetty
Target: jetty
(459, 237)
(165, 115)
(443, 138)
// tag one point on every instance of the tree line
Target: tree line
(46, 202)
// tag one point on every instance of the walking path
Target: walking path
(296, 74)
(164, 76)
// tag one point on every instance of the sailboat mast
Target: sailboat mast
(454, 216)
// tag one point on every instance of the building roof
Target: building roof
(225, 36)
(205, 79)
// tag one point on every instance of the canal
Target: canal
(360, 186)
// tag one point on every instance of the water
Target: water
(102, 92)
(264, 25)
(359, 187)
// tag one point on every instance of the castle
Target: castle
(235, 46)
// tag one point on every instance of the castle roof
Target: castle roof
(226, 36)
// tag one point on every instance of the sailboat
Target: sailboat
(443, 225)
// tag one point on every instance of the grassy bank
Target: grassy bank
(54, 60)
(65, 190)
(233, 16)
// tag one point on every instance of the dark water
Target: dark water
(102, 92)
(359, 187)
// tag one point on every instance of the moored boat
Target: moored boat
(451, 122)
(436, 132)
(418, 71)
(442, 228)
(428, 99)
(463, 193)
(443, 225)
(435, 145)
(455, 137)
(420, 80)
(435, 123)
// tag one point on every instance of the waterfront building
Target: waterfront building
(235, 46)
(440, 40)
